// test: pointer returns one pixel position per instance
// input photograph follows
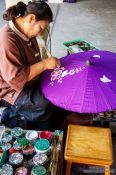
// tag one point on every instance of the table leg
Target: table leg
(68, 168)
(107, 170)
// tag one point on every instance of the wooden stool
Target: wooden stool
(88, 145)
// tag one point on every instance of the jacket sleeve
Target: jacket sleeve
(12, 69)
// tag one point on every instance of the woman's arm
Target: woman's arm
(38, 68)
(13, 71)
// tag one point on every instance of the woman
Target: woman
(21, 65)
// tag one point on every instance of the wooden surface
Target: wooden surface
(89, 145)
(84, 169)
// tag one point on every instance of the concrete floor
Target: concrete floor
(2, 9)
(92, 20)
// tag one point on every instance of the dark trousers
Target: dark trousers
(32, 111)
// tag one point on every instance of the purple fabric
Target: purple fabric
(79, 87)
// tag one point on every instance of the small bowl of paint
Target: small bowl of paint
(31, 135)
(17, 132)
(40, 159)
(6, 138)
(5, 146)
(45, 135)
(21, 171)
(12, 150)
(38, 170)
(28, 151)
(42, 146)
(16, 159)
(23, 142)
(6, 169)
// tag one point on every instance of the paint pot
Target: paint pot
(28, 151)
(12, 150)
(6, 137)
(38, 170)
(16, 146)
(17, 132)
(23, 142)
(16, 159)
(31, 135)
(6, 170)
(40, 159)
(45, 135)
(21, 171)
(5, 146)
(42, 146)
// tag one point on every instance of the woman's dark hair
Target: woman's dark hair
(40, 9)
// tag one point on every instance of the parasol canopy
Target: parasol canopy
(85, 82)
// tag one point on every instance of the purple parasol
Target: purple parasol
(85, 82)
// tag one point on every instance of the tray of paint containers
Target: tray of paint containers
(105, 116)
(79, 45)
(30, 152)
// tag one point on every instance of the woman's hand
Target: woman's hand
(51, 63)
(37, 68)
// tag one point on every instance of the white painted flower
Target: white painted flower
(96, 56)
(80, 69)
(105, 79)
(72, 72)
(64, 73)
(76, 70)
(60, 72)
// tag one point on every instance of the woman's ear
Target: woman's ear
(31, 18)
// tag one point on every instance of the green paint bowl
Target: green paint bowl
(38, 170)
(42, 145)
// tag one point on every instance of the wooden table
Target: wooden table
(88, 145)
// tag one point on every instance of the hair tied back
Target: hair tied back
(21, 8)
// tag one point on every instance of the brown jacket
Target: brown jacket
(17, 53)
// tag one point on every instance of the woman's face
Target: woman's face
(35, 27)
